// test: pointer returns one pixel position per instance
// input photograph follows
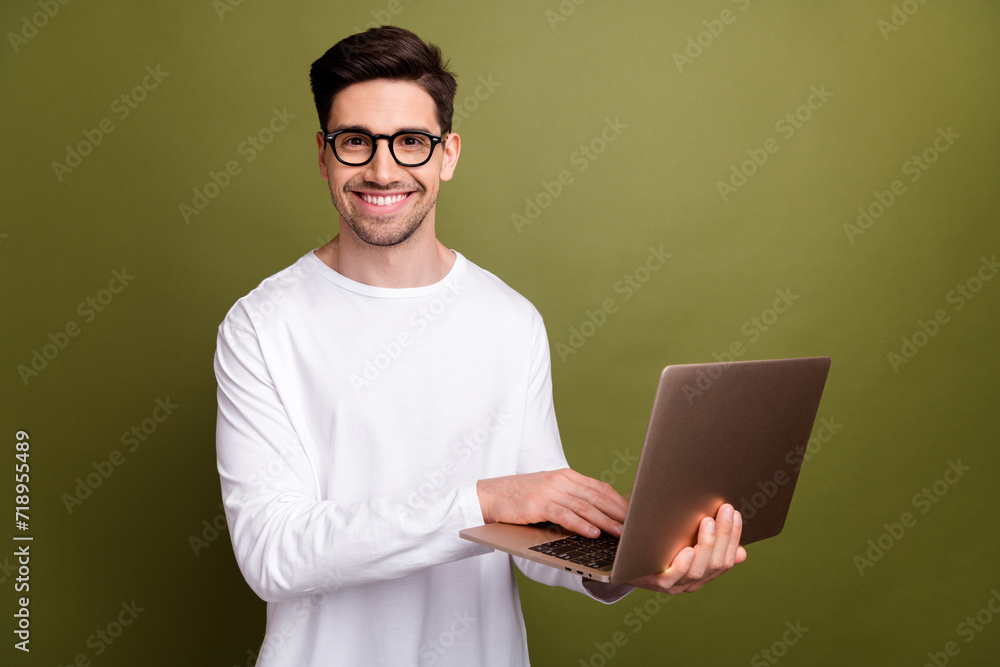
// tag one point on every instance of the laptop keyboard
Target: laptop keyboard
(598, 553)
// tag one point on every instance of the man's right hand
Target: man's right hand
(576, 502)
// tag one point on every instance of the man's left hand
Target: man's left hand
(717, 550)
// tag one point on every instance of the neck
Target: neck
(414, 263)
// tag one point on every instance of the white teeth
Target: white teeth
(382, 201)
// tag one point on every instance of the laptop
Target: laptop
(719, 432)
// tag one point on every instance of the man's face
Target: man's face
(386, 107)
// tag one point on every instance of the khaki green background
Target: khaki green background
(554, 85)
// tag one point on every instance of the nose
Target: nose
(383, 168)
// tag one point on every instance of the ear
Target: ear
(451, 147)
(321, 145)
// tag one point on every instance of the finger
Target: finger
(597, 503)
(678, 570)
(703, 549)
(593, 519)
(724, 520)
(734, 541)
(599, 494)
(571, 520)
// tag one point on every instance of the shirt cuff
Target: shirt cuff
(472, 511)
(471, 517)
(606, 593)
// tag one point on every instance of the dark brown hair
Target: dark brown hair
(386, 52)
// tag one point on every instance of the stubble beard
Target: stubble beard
(384, 231)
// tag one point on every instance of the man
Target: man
(383, 393)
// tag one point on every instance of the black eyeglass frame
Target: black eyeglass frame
(390, 138)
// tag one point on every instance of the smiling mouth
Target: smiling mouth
(382, 200)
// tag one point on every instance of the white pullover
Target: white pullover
(354, 422)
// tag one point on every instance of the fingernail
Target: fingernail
(727, 512)
(710, 527)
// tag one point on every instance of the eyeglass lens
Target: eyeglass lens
(357, 148)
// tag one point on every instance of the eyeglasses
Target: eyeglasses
(409, 148)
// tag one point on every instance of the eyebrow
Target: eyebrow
(340, 128)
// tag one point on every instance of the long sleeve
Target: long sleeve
(542, 450)
(288, 542)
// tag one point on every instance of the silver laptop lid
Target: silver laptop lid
(718, 433)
